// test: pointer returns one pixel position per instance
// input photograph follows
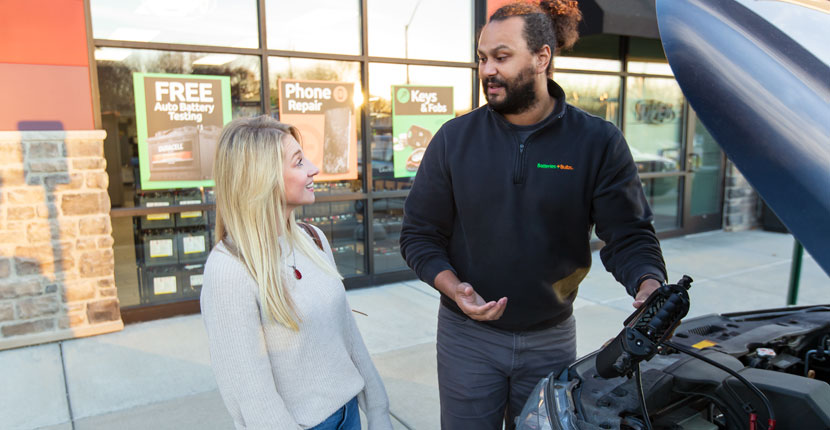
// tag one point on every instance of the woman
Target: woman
(284, 346)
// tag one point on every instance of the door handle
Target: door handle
(693, 162)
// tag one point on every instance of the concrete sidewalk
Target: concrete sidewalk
(157, 375)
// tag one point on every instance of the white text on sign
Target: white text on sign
(428, 101)
(194, 98)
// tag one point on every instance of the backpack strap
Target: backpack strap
(313, 233)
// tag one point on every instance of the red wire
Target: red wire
(771, 424)
(752, 419)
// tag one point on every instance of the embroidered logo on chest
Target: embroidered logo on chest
(554, 166)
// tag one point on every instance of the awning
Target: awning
(621, 17)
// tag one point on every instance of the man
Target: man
(499, 221)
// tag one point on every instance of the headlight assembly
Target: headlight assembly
(549, 407)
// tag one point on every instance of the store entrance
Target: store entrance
(690, 198)
(703, 200)
(680, 165)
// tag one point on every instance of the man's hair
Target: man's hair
(550, 22)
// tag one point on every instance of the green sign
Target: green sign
(179, 120)
(417, 113)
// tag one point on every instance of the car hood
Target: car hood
(757, 73)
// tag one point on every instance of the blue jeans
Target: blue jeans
(345, 418)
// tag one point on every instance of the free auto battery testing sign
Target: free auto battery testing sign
(417, 113)
(179, 120)
(325, 115)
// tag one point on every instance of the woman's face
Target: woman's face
(297, 175)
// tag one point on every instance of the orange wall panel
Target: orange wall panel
(494, 5)
(43, 32)
(38, 93)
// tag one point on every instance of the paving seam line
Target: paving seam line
(66, 388)
(752, 269)
(400, 420)
(421, 291)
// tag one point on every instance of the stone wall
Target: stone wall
(56, 255)
(741, 205)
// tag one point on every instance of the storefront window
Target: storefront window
(650, 68)
(381, 79)
(663, 196)
(596, 94)
(595, 46)
(578, 63)
(217, 23)
(331, 26)
(705, 162)
(124, 254)
(422, 29)
(320, 70)
(159, 258)
(115, 81)
(387, 231)
(647, 56)
(654, 123)
(643, 49)
(342, 223)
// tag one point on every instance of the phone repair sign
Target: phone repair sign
(324, 113)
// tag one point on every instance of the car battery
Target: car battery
(189, 218)
(159, 284)
(160, 247)
(174, 155)
(193, 244)
(153, 200)
(210, 195)
(190, 279)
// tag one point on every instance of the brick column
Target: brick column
(56, 256)
(740, 203)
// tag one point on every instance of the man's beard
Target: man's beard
(519, 93)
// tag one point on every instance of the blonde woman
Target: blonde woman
(283, 343)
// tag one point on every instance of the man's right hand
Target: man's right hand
(467, 299)
(475, 307)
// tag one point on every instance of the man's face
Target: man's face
(507, 68)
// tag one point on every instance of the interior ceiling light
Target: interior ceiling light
(112, 54)
(215, 60)
(133, 34)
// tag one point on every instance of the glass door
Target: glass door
(654, 125)
(704, 179)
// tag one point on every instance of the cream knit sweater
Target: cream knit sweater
(271, 377)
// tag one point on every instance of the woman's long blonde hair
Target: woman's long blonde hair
(251, 209)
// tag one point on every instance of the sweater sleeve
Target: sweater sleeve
(372, 399)
(623, 218)
(429, 214)
(236, 341)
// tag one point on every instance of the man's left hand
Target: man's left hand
(646, 288)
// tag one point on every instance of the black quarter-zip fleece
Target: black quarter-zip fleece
(514, 218)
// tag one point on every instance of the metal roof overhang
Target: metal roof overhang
(622, 17)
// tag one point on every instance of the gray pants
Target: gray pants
(485, 375)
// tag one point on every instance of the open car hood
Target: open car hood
(757, 72)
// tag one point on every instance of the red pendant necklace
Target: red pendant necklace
(297, 274)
